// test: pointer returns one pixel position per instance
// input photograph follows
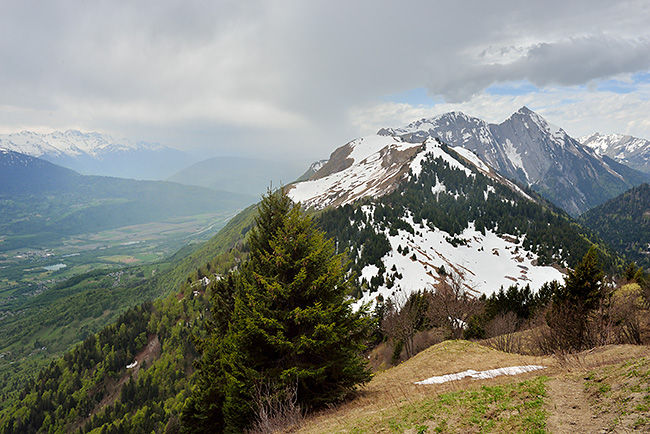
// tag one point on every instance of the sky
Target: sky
(301, 78)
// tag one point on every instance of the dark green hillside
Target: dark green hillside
(91, 389)
(624, 222)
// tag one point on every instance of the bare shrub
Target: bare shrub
(502, 331)
(452, 303)
(277, 409)
(625, 312)
(566, 329)
(426, 338)
(402, 318)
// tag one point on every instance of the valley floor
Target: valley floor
(605, 390)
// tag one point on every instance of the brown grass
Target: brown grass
(394, 387)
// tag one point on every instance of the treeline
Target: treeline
(624, 223)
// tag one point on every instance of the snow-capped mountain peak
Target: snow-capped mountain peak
(368, 166)
(98, 154)
(625, 149)
(530, 150)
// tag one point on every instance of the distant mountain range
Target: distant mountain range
(628, 150)
(99, 154)
(527, 149)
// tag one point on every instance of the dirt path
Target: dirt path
(569, 410)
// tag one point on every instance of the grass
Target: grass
(392, 403)
(622, 392)
(516, 408)
(614, 384)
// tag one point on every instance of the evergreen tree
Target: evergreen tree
(569, 317)
(584, 284)
(290, 326)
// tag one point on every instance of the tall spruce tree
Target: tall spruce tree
(569, 317)
(283, 320)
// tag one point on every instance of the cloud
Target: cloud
(285, 75)
(567, 62)
(579, 111)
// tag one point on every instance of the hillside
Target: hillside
(597, 391)
(42, 202)
(624, 222)
(37, 327)
(526, 148)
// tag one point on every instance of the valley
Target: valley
(28, 272)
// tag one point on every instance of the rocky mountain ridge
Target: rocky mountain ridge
(626, 149)
(529, 150)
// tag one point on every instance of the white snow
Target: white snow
(363, 178)
(72, 143)
(514, 157)
(481, 375)
(132, 365)
(487, 262)
(473, 158)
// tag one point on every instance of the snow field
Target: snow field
(487, 262)
(480, 375)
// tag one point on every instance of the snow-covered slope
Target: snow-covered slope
(418, 252)
(98, 154)
(528, 149)
(487, 261)
(628, 150)
(369, 166)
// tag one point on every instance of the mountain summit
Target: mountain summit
(528, 149)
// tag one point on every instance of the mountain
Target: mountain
(410, 213)
(405, 214)
(628, 150)
(249, 176)
(531, 151)
(99, 154)
(624, 222)
(40, 200)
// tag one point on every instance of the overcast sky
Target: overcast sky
(303, 77)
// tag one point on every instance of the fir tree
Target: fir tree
(569, 317)
(291, 326)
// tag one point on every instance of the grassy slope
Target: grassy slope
(531, 402)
